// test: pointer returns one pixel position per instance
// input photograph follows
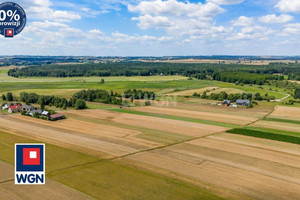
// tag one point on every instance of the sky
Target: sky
(157, 28)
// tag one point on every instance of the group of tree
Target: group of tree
(233, 97)
(52, 100)
(8, 97)
(98, 95)
(245, 77)
(297, 94)
(139, 94)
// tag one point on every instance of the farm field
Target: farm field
(289, 113)
(176, 150)
(278, 125)
(204, 154)
(191, 92)
(232, 119)
(63, 163)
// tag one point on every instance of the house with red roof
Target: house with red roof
(15, 108)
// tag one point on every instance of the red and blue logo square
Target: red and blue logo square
(9, 32)
(30, 157)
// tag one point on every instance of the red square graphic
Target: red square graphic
(9, 32)
(31, 156)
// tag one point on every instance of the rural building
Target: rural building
(34, 111)
(27, 108)
(6, 106)
(56, 116)
(226, 102)
(45, 113)
(14, 108)
(242, 102)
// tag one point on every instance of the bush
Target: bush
(36, 115)
(80, 104)
(9, 96)
(147, 103)
(23, 112)
(44, 118)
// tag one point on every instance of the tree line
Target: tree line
(149, 69)
(244, 77)
(52, 100)
(139, 94)
(103, 96)
(233, 97)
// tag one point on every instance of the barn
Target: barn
(57, 116)
(14, 108)
(242, 102)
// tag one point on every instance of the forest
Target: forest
(201, 71)
(244, 77)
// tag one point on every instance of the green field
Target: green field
(56, 86)
(290, 138)
(281, 120)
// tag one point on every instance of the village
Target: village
(32, 111)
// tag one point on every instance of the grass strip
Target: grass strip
(282, 120)
(265, 135)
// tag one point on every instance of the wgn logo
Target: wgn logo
(29, 163)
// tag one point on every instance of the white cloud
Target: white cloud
(176, 8)
(41, 10)
(65, 16)
(272, 19)
(292, 29)
(226, 2)
(253, 32)
(179, 19)
(147, 21)
(289, 6)
(243, 21)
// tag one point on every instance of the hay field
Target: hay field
(191, 92)
(51, 190)
(261, 173)
(74, 175)
(205, 106)
(175, 126)
(219, 117)
(278, 126)
(283, 112)
(227, 90)
(63, 137)
(252, 184)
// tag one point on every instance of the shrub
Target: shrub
(36, 115)
(80, 104)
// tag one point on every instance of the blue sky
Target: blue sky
(157, 28)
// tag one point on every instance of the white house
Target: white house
(6, 106)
